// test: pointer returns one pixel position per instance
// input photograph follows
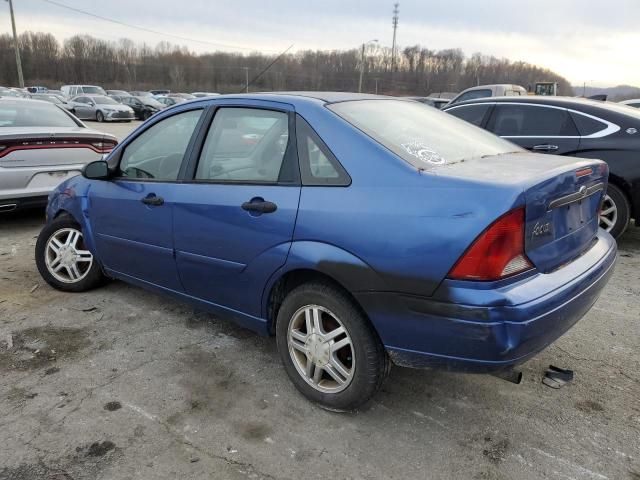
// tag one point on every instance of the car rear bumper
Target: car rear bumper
(21, 185)
(468, 327)
(12, 204)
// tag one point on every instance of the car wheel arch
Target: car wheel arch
(292, 279)
(624, 187)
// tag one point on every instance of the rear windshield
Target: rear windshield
(93, 90)
(422, 135)
(36, 114)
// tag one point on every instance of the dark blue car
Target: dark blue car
(359, 230)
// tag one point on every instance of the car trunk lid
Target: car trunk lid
(22, 147)
(561, 196)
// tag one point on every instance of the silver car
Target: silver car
(40, 146)
(100, 108)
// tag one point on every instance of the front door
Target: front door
(234, 220)
(132, 214)
(539, 128)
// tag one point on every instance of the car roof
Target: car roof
(541, 99)
(20, 102)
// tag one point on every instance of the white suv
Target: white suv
(73, 90)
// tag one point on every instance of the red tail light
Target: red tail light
(497, 253)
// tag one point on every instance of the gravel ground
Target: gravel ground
(120, 383)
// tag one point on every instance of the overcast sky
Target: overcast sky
(584, 40)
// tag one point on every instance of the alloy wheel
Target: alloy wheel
(65, 256)
(608, 213)
(321, 349)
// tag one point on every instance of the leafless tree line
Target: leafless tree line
(83, 59)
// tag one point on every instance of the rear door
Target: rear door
(132, 214)
(539, 128)
(234, 221)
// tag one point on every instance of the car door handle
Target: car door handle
(260, 206)
(152, 199)
(545, 148)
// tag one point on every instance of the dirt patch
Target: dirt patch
(589, 406)
(38, 347)
(255, 431)
(497, 452)
(112, 406)
(98, 449)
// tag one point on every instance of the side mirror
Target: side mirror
(97, 170)
(92, 104)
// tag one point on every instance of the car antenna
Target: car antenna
(246, 88)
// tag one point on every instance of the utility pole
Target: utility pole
(17, 48)
(396, 13)
(362, 63)
(246, 79)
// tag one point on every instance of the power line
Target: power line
(148, 30)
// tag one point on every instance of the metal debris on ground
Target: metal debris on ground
(556, 377)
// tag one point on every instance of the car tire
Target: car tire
(99, 116)
(65, 235)
(616, 211)
(146, 115)
(364, 362)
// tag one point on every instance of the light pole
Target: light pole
(375, 40)
(17, 48)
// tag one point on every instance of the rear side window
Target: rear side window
(471, 113)
(157, 153)
(587, 125)
(531, 121)
(472, 95)
(244, 145)
(318, 165)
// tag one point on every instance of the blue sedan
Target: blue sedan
(358, 230)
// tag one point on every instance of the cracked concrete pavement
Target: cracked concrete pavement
(119, 383)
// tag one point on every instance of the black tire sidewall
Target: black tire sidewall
(93, 279)
(623, 209)
(99, 116)
(371, 365)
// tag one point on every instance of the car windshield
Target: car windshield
(101, 100)
(419, 134)
(33, 114)
(93, 90)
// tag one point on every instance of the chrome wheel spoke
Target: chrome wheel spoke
(606, 221)
(55, 245)
(317, 374)
(339, 376)
(608, 211)
(340, 344)
(334, 333)
(301, 347)
(72, 239)
(83, 256)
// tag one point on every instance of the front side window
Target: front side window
(244, 144)
(472, 95)
(423, 136)
(532, 121)
(471, 113)
(157, 153)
